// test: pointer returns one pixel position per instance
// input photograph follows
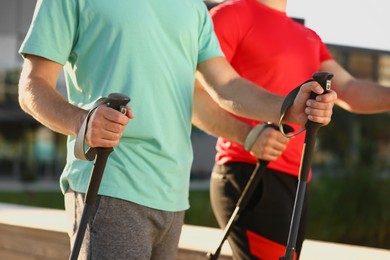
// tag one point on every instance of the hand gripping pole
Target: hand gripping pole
(323, 78)
(116, 101)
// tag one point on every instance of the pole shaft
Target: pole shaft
(90, 197)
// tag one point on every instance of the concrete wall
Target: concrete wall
(29, 233)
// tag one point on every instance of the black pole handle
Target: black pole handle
(118, 102)
(323, 78)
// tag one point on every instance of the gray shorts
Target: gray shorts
(120, 229)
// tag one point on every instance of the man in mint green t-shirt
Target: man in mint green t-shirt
(149, 51)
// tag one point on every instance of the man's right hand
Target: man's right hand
(269, 145)
(106, 126)
(319, 110)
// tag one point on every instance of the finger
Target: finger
(129, 112)
(112, 115)
(100, 138)
(325, 106)
(272, 154)
(319, 110)
(101, 122)
(319, 116)
(320, 120)
(312, 86)
(329, 96)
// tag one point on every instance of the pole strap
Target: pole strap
(79, 147)
(288, 101)
(253, 135)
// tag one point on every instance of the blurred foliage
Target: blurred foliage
(45, 199)
(352, 208)
(200, 212)
(349, 200)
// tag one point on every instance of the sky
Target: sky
(356, 23)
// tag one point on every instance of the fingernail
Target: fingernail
(319, 89)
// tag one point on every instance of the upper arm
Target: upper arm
(38, 76)
(39, 68)
(215, 72)
(227, 22)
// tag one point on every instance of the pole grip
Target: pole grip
(101, 158)
(324, 79)
(116, 101)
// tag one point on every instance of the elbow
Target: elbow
(23, 105)
(23, 98)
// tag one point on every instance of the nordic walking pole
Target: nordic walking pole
(323, 78)
(117, 102)
(247, 193)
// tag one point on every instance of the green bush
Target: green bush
(350, 208)
(200, 212)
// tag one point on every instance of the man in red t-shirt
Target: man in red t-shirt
(275, 52)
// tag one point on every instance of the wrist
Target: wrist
(251, 138)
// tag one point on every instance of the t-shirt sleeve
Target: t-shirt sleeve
(324, 52)
(208, 42)
(226, 27)
(53, 30)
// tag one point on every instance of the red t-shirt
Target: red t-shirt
(268, 48)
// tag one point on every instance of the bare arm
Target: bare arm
(243, 98)
(357, 96)
(39, 98)
(209, 117)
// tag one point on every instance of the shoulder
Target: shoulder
(232, 13)
(303, 28)
(230, 8)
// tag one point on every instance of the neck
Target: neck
(279, 5)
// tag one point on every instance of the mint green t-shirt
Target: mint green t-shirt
(147, 50)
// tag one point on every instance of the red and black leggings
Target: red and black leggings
(262, 229)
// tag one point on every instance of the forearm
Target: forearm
(364, 97)
(209, 117)
(39, 98)
(355, 95)
(241, 97)
(46, 105)
(236, 94)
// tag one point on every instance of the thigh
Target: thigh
(121, 229)
(165, 248)
(74, 205)
(268, 221)
(226, 186)
(264, 225)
